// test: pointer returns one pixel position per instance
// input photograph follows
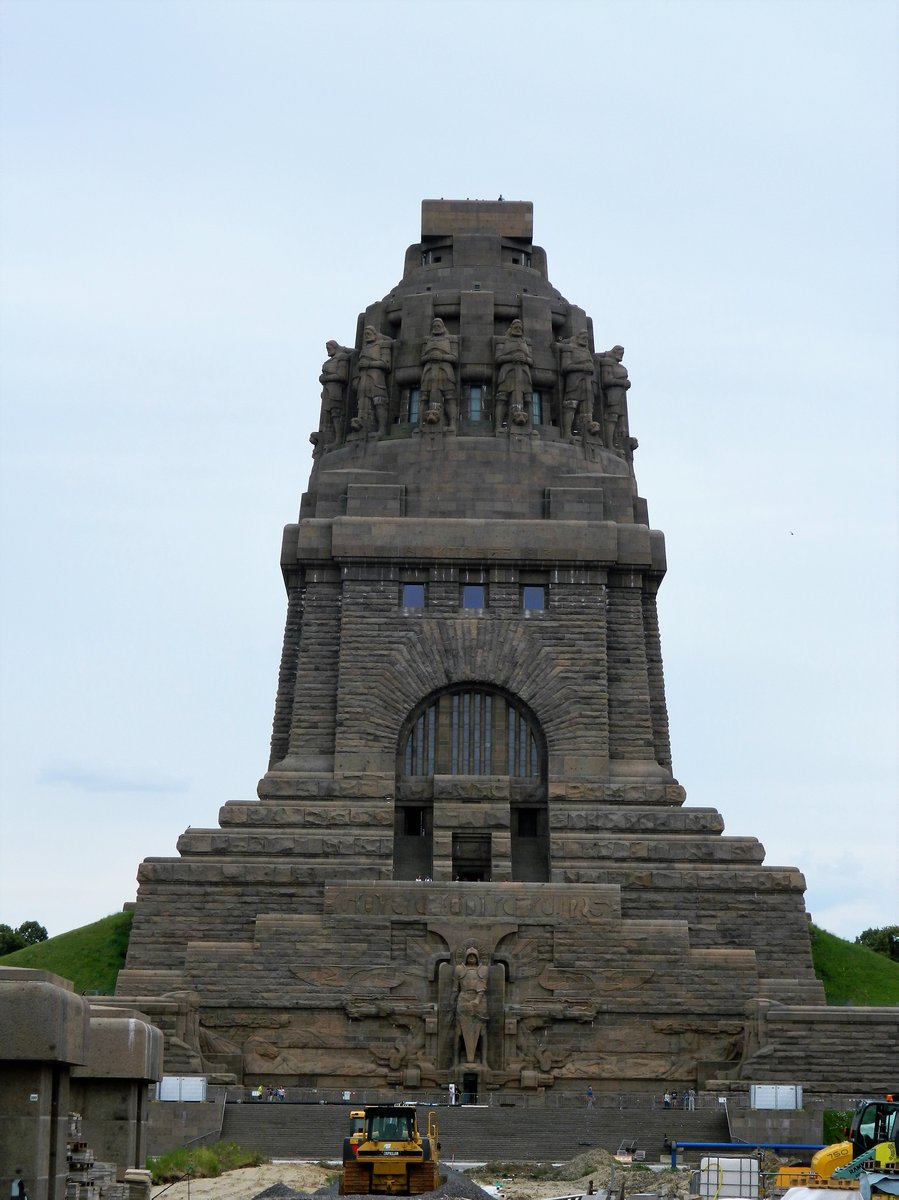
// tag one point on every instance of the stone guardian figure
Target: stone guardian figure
(577, 367)
(372, 369)
(614, 383)
(513, 381)
(471, 1004)
(438, 378)
(333, 378)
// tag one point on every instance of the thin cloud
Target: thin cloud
(87, 779)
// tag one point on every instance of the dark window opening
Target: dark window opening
(536, 408)
(413, 595)
(527, 822)
(414, 822)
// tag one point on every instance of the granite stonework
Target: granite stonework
(470, 861)
(61, 1054)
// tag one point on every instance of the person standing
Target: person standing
(17, 1187)
(589, 1095)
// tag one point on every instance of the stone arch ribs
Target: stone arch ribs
(382, 678)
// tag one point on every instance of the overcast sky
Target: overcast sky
(196, 196)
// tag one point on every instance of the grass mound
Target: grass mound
(853, 974)
(91, 956)
(202, 1162)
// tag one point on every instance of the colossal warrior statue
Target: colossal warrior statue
(513, 380)
(578, 368)
(438, 378)
(372, 367)
(469, 861)
(615, 383)
(333, 378)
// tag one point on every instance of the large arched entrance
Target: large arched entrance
(471, 789)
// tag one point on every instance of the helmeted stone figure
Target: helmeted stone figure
(333, 378)
(438, 378)
(615, 383)
(514, 360)
(372, 369)
(578, 368)
(471, 1003)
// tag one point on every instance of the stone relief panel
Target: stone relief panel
(468, 979)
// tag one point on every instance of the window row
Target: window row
(474, 596)
(476, 405)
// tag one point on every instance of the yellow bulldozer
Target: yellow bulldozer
(389, 1154)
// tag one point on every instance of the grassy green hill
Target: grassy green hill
(91, 956)
(853, 974)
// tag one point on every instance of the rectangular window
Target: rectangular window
(414, 405)
(474, 595)
(475, 401)
(536, 408)
(413, 595)
(533, 596)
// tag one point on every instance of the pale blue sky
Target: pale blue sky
(196, 196)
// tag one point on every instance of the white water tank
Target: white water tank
(729, 1178)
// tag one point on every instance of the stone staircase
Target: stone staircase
(473, 1133)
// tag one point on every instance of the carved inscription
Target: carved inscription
(466, 901)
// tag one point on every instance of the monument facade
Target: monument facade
(469, 861)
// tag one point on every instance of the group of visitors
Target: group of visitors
(688, 1100)
(268, 1093)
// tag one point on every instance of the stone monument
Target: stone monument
(469, 862)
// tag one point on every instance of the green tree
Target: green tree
(881, 941)
(29, 933)
(9, 940)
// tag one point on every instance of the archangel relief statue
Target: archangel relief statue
(471, 1004)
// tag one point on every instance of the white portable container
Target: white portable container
(729, 1178)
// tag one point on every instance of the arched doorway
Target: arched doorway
(471, 744)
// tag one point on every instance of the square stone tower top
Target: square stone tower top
(503, 218)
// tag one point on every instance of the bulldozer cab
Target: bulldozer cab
(875, 1121)
(390, 1125)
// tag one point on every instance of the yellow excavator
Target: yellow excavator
(866, 1160)
(387, 1154)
